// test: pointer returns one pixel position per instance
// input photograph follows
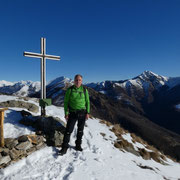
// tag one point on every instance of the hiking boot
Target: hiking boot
(79, 148)
(63, 151)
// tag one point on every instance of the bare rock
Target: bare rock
(40, 145)
(10, 143)
(5, 152)
(15, 154)
(58, 138)
(21, 104)
(1, 149)
(5, 160)
(23, 138)
(24, 145)
(31, 150)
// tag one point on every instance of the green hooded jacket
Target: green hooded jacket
(75, 99)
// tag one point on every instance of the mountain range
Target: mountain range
(147, 105)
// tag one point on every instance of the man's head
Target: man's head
(78, 80)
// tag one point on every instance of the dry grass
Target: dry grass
(144, 154)
(123, 144)
(138, 139)
(150, 147)
(106, 122)
(156, 156)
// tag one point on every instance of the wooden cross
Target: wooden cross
(43, 56)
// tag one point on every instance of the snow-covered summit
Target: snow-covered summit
(147, 79)
(59, 82)
(150, 76)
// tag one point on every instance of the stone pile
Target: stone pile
(17, 148)
(52, 128)
(49, 131)
(20, 104)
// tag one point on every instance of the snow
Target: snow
(4, 98)
(100, 160)
(12, 128)
(5, 83)
(103, 92)
(23, 90)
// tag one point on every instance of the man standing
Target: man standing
(76, 108)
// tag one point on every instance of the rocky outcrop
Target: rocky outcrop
(20, 104)
(17, 148)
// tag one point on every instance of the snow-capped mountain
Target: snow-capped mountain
(144, 104)
(157, 96)
(21, 88)
(139, 87)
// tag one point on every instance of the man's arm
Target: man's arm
(66, 102)
(87, 102)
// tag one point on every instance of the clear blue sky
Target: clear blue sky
(100, 39)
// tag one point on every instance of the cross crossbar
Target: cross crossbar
(37, 55)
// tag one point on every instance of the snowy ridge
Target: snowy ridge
(100, 160)
(59, 82)
(143, 82)
(21, 88)
(5, 83)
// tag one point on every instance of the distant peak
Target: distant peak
(149, 73)
(61, 79)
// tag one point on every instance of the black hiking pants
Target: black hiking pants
(80, 117)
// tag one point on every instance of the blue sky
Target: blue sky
(100, 39)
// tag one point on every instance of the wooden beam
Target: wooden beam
(2, 126)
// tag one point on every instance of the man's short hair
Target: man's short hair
(77, 76)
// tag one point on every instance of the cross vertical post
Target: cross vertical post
(43, 74)
(43, 56)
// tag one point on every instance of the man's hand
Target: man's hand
(87, 116)
(67, 117)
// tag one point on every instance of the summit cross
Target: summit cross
(43, 56)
